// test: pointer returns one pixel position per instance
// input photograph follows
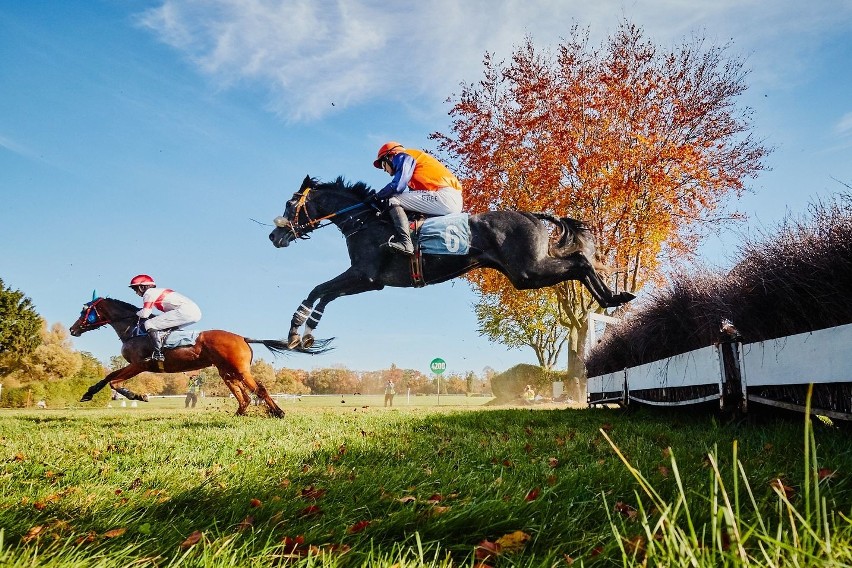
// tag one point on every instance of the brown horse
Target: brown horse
(228, 352)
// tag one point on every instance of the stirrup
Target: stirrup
(401, 247)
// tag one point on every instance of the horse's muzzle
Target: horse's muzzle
(281, 237)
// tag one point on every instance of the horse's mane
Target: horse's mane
(359, 189)
(123, 305)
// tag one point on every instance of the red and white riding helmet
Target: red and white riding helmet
(142, 280)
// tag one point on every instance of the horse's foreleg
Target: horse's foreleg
(352, 281)
(312, 323)
(114, 379)
(302, 314)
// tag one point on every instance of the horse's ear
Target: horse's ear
(307, 182)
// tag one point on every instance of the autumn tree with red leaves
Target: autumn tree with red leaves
(644, 144)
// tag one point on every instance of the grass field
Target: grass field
(351, 483)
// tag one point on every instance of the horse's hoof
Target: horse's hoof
(294, 342)
(307, 342)
(624, 297)
(144, 398)
(86, 398)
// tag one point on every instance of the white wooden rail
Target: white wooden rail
(819, 357)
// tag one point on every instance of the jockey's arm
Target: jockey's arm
(147, 303)
(403, 167)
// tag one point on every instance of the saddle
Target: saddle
(172, 339)
(436, 235)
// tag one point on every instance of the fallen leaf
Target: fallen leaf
(255, 503)
(88, 537)
(825, 473)
(246, 524)
(32, 533)
(191, 540)
(293, 542)
(487, 549)
(113, 533)
(664, 471)
(779, 486)
(625, 510)
(532, 495)
(358, 527)
(435, 498)
(635, 545)
(513, 542)
(552, 462)
(310, 511)
(406, 499)
(311, 492)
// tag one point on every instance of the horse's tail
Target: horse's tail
(572, 236)
(280, 347)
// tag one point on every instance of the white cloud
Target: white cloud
(16, 148)
(844, 126)
(310, 53)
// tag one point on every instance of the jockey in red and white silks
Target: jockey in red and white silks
(178, 310)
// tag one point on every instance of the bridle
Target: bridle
(302, 230)
(91, 318)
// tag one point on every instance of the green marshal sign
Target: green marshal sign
(438, 365)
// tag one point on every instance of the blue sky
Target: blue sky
(146, 136)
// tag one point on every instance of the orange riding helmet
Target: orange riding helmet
(386, 149)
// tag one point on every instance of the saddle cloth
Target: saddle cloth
(448, 234)
(181, 338)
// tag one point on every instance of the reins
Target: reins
(101, 321)
(302, 230)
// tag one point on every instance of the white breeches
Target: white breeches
(439, 202)
(178, 318)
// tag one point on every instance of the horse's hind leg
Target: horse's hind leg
(240, 371)
(600, 291)
(234, 384)
(259, 389)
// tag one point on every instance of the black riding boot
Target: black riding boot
(401, 239)
(157, 338)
